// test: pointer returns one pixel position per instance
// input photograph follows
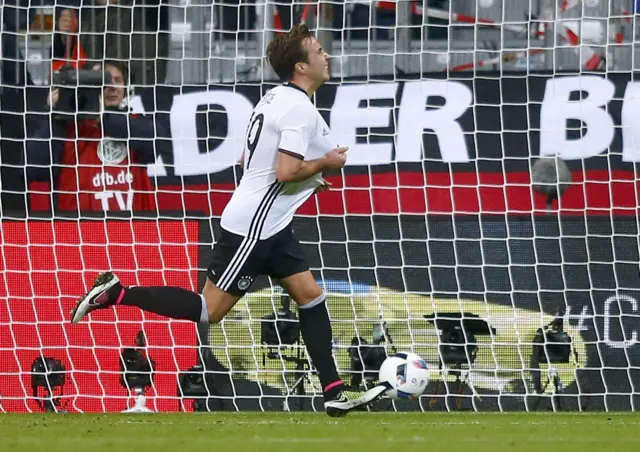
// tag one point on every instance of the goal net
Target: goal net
(487, 218)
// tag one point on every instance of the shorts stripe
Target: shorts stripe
(249, 242)
(239, 258)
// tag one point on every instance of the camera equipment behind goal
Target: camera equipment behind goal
(552, 346)
(279, 331)
(367, 358)
(48, 374)
(80, 91)
(137, 373)
(458, 346)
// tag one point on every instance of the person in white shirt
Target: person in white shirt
(288, 146)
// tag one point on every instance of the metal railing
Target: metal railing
(534, 35)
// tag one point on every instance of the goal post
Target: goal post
(487, 218)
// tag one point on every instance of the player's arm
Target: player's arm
(296, 128)
(291, 168)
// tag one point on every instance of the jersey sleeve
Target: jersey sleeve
(296, 128)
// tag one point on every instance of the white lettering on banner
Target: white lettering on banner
(187, 159)
(556, 109)
(581, 318)
(618, 299)
(107, 179)
(616, 308)
(136, 106)
(347, 116)
(630, 119)
(414, 118)
(124, 199)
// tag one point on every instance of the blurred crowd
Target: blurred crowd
(138, 31)
(85, 32)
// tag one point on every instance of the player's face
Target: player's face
(317, 61)
(114, 93)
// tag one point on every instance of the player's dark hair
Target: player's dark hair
(287, 50)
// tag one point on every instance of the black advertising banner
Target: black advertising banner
(431, 144)
(466, 144)
(483, 124)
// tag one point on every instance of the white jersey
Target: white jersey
(285, 120)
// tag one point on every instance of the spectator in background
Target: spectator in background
(134, 31)
(131, 31)
(97, 164)
(66, 47)
(102, 31)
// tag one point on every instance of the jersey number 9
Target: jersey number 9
(253, 134)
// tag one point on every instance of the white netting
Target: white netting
(441, 213)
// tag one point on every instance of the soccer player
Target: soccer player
(287, 148)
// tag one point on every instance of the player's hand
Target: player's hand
(325, 185)
(53, 98)
(336, 158)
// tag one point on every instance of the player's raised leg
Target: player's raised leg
(173, 302)
(232, 261)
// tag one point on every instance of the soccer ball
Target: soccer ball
(406, 374)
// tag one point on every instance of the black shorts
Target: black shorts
(237, 261)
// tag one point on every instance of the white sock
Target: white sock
(313, 303)
(204, 314)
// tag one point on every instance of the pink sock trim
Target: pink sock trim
(333, 385)
(120, 297)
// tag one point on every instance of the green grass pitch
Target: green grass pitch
(309, 432)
